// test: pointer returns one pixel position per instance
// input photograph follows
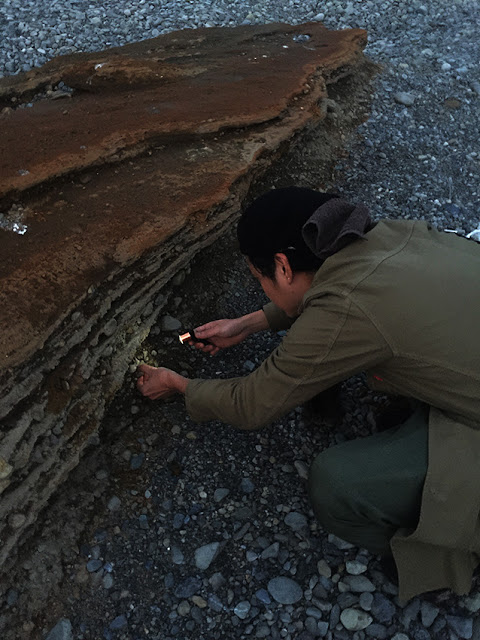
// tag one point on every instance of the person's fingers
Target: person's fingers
(140, 380)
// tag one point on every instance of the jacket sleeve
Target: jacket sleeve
(276, 318)
(331, 340)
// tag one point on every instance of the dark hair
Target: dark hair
(273, 224)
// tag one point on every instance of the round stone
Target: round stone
(402, 97)
(355, 619)
(355, 568)
(358, 584)
(296, 520)
(285, 590)
(16, 520)
(242, 609)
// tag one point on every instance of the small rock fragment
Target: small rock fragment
(402, 97)
(205, 555)
(355, 619)
(61, 631)
(285, 590)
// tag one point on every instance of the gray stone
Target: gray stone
(355, 619)
(188, 588)
(205, 555)
(177, 556)
(347, 600)
(143, 522)
(167, 323)
(136, 461)
(358, 584)
(366, 600)
(313, 612)
(262, 595)
(242, 609)
(12, 597)
(120, 622)
(214, 603)
(322, 626)
(377, 631)
(323, 569)
(400, 636)
(463, 627)
(301, 468)
(382, 609)
(285, 590)
(220, 494)
(247, 485)
(271, 551)
(61, 631)
(406, 99)
(295, 520)
(410, 612)
(428, 613)
(16, 520)
(217, 580)
(107, 581)
(343, 545)
(94, 565)
(114, 503)
(355, 568)
(183, 608)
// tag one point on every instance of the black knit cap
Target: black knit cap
(273, 222)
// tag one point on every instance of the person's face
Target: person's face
(285, 291)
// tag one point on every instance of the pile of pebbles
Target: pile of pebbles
(201, 531)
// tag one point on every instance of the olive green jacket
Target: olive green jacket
(403, 304)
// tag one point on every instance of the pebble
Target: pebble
(205, 555)
(247, 485)
(463, 627)
(61, 631)
(16, 520)
(323, 569)
(355, 568)
(358, 584)
(343, 545)
(120, 622)
(167, 323)
(365, 600)
(295, 520)
(215, 603)
(382, 609)
(428, 613)
(400, 636)
(177, 556)
(220, 494)
(189, 587)
(355, 619)
(301, 468)
(271, 551)
(114, 503)
(183, 608)
(285, 590)
(242, 609)
(263, 596)
(94, 565)
(406, 99)
(136, 461)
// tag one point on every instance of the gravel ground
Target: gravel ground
(200, 531)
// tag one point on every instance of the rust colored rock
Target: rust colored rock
(108, 186)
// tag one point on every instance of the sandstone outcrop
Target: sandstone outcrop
(116, 168)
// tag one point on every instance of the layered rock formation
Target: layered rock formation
(116, 168)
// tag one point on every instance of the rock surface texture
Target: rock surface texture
(116, 169)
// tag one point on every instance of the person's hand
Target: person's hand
(158, 382)
(221, 334)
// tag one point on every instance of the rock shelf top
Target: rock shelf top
(105, 155)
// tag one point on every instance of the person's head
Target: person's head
(270, 236)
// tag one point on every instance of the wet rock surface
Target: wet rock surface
(117, 191)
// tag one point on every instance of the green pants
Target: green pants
(365, 489)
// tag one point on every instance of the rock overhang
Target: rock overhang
(144, 158)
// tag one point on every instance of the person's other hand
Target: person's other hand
(159, 382)
(221, 334)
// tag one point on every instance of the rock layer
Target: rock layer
(110, 183)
